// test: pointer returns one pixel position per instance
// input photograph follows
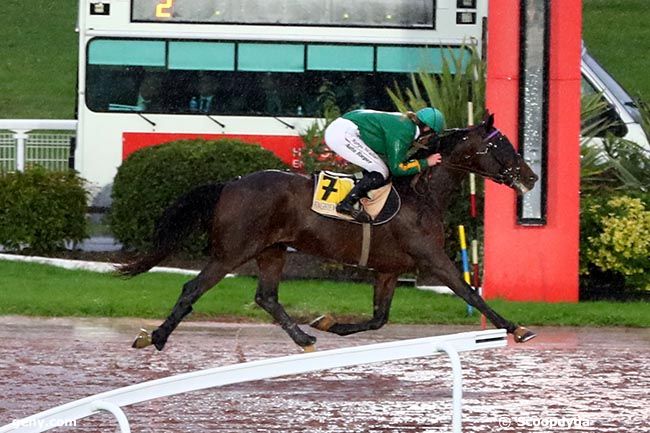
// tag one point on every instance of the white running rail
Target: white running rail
(22, 147)
(113, 401)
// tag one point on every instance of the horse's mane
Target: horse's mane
(443, 143)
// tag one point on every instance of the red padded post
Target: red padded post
(539, 263)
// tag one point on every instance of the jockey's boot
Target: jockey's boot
(368, 182)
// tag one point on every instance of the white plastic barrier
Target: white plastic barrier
(112, 401)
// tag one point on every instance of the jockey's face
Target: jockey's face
(426, 130)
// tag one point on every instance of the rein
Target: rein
(480, 173)
(500, 178)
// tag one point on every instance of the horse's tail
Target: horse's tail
(193, 210)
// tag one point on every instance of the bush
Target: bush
(152, 178)
(615, 232)
(41, 210)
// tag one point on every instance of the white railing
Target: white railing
(21, 147)
(112, 401)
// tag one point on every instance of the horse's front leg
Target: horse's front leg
(270, 263)
(383, 296)
(443, 268)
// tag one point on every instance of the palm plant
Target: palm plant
(609, 162)
(461, 80)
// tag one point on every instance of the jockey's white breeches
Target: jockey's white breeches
(342, 136)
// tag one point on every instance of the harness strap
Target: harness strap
(365, 245)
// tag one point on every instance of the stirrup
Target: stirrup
(359, 215)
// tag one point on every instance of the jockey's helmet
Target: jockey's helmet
(433, 118)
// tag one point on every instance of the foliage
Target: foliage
(593, 120)
(644, 110)
(613, 172)
(152, 178)
(609, 162)
(462, 79)
(41, 210)
(613, 164)
(616, 237)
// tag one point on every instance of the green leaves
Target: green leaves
(462, 79)
(152, 178)
(617, 237)
(41, 210)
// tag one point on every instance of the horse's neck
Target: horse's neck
(445, 182)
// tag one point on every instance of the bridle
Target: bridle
(507, 175)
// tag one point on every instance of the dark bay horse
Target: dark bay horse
(260, 215)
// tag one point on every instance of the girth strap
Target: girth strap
(365, 245)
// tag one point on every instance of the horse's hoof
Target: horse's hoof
(309, 349)
(522, 334)
(323, 323)
(142, 340)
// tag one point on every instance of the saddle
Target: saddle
(330, 188)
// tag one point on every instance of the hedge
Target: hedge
(152, 178)
(40, 210)
(615, 241)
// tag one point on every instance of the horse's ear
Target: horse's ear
(488, 121)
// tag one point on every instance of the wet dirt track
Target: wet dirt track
(568, 379)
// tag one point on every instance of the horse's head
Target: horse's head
(484, 150)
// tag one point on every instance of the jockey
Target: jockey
(379, 142)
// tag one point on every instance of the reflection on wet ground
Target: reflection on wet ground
(568, 379)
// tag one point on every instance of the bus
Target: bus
(154, 71)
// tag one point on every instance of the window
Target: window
(198, 56)
(245, 78)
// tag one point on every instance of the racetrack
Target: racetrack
(593, 379)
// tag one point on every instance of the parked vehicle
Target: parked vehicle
(623, 111)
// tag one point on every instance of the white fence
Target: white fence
(25, 143)
(112, 401)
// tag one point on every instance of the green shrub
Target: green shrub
(615, 233)
(153, 177)
(41, 210)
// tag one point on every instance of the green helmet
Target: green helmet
(433, 118)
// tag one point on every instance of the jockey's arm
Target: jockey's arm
(397, 162)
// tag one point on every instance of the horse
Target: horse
(260, 215)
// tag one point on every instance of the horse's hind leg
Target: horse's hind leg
(192, 291)
(270, 263)
(383, 296)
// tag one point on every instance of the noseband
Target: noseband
(507, 175)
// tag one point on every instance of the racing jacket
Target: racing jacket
(390, 135)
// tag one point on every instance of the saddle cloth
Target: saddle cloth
(330, 188)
